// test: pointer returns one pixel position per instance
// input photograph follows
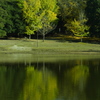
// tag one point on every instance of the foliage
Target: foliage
(17, 18)
(3, 15)
(3, 18)
(69, 10)
(12, 18)
(30, 16)
(79, 28)
(30, 10)
(48, 22)
(48, 16)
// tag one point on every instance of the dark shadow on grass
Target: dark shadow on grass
(78, 40)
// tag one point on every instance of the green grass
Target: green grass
(47, 47)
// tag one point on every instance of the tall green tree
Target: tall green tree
(10, 18)
(3, 18)
(31, 15)
(3, 15)
(49, 10)
(9, 23)
(15, 25)
(69, 11)
(17, 18)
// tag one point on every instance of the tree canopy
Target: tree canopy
(43, 16)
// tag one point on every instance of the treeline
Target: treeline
(72, 17)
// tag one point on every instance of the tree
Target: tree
(10, 18)
(9, 26)
(3, 18)
(31, 15)
(49, 10)
(79, 28)
(48, 22)
(69, 11)
(17, 18)
(3, 15)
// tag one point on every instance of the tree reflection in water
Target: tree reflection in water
(74, 83)
(11, 82)
(39, 85)
(59, 80)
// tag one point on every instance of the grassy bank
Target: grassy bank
(48, 47)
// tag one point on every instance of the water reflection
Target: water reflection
(11, 82)
(39, 85)
(76, 79)
(74, 83)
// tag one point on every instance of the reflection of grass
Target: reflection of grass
(47, 47)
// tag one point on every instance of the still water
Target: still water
(28, 77)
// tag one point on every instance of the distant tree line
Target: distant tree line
(72, 17)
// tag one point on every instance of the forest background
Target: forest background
(20, 18)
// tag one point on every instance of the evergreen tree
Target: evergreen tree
(2, 22)
(3, 17)
(14, 24)
(17, 18)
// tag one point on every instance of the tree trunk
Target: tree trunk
(43, 37)
(29, 36)
(81, 38)
(37, 39)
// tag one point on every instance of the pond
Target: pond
(29, 77)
